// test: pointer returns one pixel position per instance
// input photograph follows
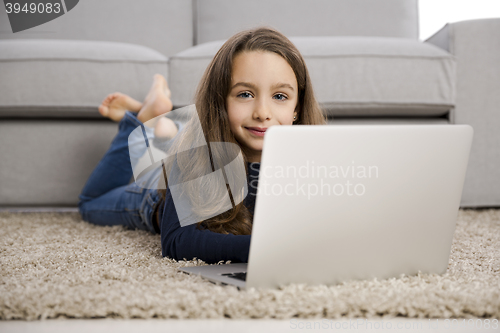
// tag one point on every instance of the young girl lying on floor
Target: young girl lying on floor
(256, 80)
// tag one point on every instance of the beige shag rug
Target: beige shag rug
(55, 265)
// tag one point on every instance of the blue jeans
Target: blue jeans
(108, 197)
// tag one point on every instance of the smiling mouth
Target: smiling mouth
(256, 130)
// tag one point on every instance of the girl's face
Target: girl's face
(263, 93)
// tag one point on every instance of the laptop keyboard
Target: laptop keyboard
(240, 275)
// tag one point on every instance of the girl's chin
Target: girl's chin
(251, 145)
(257, 146)
(253, 149)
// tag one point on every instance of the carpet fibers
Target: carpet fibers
(55, 265)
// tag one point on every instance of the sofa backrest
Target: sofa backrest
(220, 19)
(163, 25)
(170, 26)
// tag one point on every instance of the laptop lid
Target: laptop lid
(356, 202)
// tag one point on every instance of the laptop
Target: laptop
(352, 202)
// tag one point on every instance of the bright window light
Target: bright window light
(434, 14)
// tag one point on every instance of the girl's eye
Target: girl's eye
(244, 95)
(280, 97)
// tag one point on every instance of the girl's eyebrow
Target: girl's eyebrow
(253, 86)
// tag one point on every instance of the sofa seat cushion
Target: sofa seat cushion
(352, 76)
(61, 78)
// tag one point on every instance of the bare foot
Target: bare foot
(157, 101)
(165, 128)
(115, 105)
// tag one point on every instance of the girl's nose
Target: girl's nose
(262, 111)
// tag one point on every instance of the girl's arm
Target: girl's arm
(189, 242)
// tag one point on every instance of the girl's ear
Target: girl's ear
(297, 110)
(296, 113)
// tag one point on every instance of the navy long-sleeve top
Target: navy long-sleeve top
(189, 242)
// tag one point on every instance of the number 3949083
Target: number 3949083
(33, 8)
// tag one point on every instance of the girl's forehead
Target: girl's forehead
(257, 55)
(262, 66)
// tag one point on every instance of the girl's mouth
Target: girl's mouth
(258, 131)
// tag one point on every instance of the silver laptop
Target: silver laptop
(337, 203)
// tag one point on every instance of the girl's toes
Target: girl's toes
(107, 100)
(165, 128)
(103, 110)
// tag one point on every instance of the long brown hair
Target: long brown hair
(210, 102)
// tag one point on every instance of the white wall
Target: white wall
(434, 14)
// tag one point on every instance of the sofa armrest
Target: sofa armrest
(476, 46)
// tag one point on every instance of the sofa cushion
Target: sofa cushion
(60, 78)
(351, 76)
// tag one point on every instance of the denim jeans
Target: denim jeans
(108, 197)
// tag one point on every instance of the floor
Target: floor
(223, 326)
(275, 326)
(39, 209)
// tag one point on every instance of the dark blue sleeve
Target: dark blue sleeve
(189, 242)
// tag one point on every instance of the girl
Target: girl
(256, 80)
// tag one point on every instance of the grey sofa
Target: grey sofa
(365, 60)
